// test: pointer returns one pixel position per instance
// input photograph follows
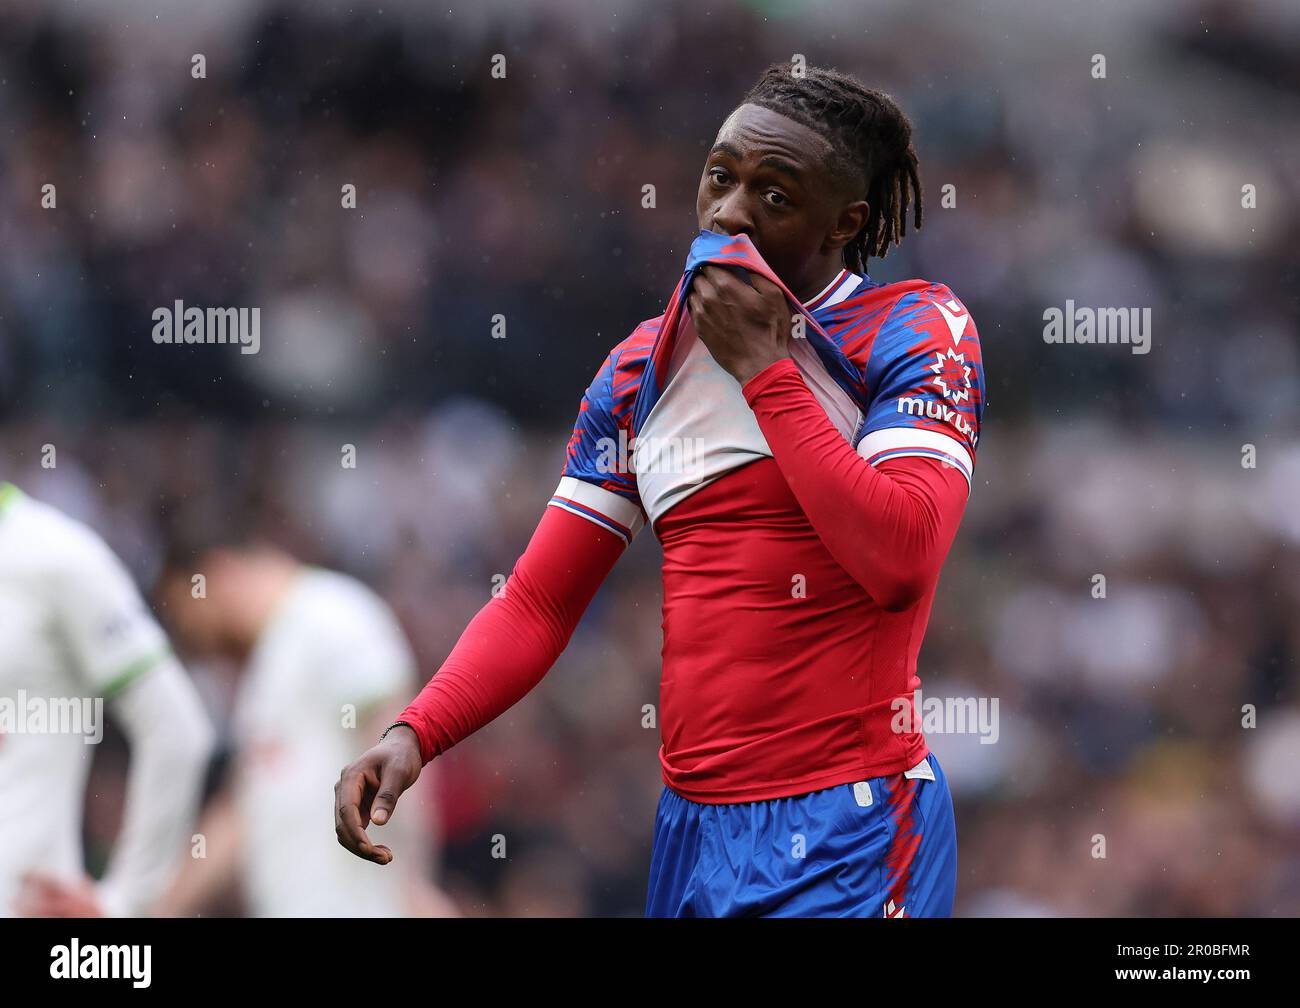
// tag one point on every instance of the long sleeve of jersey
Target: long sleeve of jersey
(171, 739)
(513, 641)
(889, 526)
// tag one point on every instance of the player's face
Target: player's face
(766, 178)
(194, 621)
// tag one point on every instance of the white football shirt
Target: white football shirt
(331, 655)
(73, 628)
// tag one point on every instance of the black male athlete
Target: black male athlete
(801, 440)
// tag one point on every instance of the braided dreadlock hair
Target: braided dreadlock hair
(871, 140)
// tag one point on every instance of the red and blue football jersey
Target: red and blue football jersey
(781, 674)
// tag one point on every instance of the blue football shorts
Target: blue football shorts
(884, 847)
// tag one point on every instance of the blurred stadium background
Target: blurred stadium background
(522, 197)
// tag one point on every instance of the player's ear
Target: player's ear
(852, 218)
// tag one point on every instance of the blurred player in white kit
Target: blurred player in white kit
(324, 667)
(74, 628)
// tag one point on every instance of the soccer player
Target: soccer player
(322, 663)
(75, 633)
(802, 441)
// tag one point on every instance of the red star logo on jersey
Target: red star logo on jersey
(952, 374)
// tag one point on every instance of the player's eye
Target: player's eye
(718, 176)
(776, 197)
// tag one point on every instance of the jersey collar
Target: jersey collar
(844, 284)
(8, 495)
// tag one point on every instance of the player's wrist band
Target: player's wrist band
(394, 725)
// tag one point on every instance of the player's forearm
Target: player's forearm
(170, 739)
(513, 641)
(889, 526)
(201, 880)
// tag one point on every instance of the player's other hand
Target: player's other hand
(42, 895)
(744, 321)
(368, 790)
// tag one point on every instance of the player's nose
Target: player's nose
(730, 218)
